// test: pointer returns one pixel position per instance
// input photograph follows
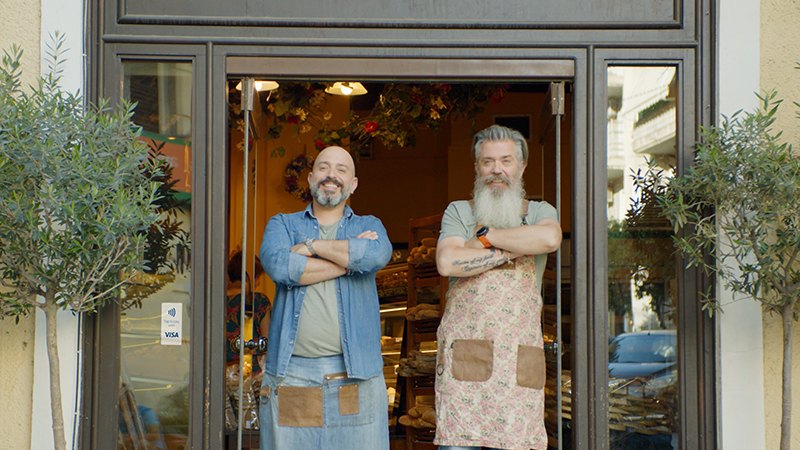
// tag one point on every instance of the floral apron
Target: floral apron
(490, 369)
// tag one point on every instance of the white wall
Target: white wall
(65, 16)
(741, 358)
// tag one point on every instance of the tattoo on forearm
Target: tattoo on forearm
(494, 258)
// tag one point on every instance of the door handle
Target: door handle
(259, 345)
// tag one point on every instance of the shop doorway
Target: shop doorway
(411, 140)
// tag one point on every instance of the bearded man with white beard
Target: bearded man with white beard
(490, 370)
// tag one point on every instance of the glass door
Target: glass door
(154, 321)
(556, 316)
(247, 304)
(643, 294)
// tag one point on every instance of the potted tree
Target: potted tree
(739, 203)
(78, 193)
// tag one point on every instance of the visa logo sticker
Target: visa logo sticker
(171, 323)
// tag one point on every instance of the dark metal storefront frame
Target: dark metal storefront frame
(452, 53)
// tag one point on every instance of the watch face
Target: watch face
(482, 231)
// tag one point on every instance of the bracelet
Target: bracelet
(310, 246)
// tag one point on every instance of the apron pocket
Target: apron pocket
(530, 366)
(472, 359)
(348, 400)
(299, 406)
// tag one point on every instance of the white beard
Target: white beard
(498, 208)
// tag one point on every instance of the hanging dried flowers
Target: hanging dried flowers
(400, 110)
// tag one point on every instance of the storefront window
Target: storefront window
(642, 272)
(154, 323)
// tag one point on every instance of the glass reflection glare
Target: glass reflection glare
(642, 282)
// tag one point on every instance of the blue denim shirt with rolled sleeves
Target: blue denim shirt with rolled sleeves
(357, 296)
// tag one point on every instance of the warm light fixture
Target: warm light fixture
(261, 85)
(346, 88)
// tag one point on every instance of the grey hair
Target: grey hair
(500, 133)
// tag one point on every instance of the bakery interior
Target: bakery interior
(411, 143)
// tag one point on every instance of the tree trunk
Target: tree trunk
(50, 313)
(786, 405)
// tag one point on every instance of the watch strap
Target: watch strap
(310, 246)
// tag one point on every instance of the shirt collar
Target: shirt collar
(309, 211)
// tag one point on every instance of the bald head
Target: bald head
(336, 155)
(333, 178)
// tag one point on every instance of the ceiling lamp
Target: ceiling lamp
(346, 88)
(261, 85)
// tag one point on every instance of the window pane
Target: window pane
(155, 323)
(642, 283)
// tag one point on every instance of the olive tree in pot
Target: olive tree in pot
(740, 204)
(78, 195)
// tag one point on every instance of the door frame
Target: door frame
(548, 65)
(215, 63)
(102, 336)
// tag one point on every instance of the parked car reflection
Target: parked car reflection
(641, 354)
(642, 390)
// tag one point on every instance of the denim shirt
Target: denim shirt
(356, 293)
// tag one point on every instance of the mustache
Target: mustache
(330, 180)
(492, 178)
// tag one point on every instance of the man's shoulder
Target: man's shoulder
(538, 210)
(458, 212)
(364, 220)
(289, 216)
(460, 206)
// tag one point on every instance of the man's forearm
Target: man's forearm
(466, 262)
(527, 239)
(318, 270)
(336, 252)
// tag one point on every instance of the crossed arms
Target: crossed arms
(457, 257)
(292, 264)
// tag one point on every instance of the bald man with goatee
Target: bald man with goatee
(490, 369)
(323, 385)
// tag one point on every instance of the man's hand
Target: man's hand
(301, 249)
(474, 243)
(369, 234)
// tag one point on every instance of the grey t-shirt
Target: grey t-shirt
(459, 221)
(318, 327)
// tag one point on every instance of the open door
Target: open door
(247, 307)
(556, 292)
(273, 141)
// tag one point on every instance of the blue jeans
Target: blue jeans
(332, 412)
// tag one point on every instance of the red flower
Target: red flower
(444, 88)
(370, 126)
(497, 96)
(320, 144)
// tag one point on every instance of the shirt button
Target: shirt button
(296, 316)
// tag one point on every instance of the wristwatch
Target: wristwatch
(310, 246)
(481, 235)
